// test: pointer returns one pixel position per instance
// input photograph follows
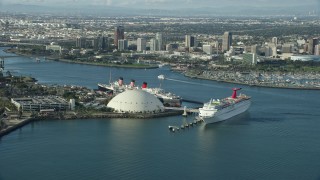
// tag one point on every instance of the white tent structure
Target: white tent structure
(136, 101)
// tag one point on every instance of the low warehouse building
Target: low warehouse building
(40, 103)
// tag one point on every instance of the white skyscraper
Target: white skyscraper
(154, 45)
(159, 38)
(122, 44)
(189, 41)
(141, 44)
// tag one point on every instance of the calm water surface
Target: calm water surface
(278, 138)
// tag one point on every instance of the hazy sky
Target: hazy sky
(170, 4)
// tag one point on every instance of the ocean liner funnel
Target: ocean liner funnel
(144, 85)
(234, 94)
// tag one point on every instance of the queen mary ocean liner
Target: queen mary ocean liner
(167, 98)
(220, 110)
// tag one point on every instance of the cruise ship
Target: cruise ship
(167, 98)
(222, 109)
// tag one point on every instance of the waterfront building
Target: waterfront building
(311, 45)
(141, 44)
(122, 45)
(55, 48)
(36, 104)
(171, 47)
(81, 42)
(207, 49)
(105, 42)
(98, 43)
(255, 49)
(273, 50)
(154, 44)
(305, 58)
(190, 41)
(269, 50)
(230, 52)
(118, 34)
(136, 101)
(226, 41)
(317, 50)
(287, 48)
(159, 38)
(250, 58)
(274, 40)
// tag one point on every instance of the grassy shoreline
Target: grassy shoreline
(133, 66)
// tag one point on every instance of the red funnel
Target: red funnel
(234, 94)
(144, 85)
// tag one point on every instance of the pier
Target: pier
(189, 110)
(186, 125)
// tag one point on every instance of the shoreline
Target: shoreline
(16, 124)
(104, 65)
(85, 63)
(184, 73)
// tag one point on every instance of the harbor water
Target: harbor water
(278, 138)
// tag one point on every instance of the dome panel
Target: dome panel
(136, 101)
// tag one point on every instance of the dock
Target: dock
(189, 110)
(186, 125)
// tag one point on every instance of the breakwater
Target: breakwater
(15, 124)
(123, 115)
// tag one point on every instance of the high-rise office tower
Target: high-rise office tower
(159, 38)
(190, 41)
(118, 34)
(122, 44)
(98, 42)
(226, 41)
(154, 44)
(105, 42)
(311, 45)
(141, 44)
(81, 42)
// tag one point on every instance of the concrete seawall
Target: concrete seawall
(125, 115)
(19, 123)
(15, 124)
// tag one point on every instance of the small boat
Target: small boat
(161, 76)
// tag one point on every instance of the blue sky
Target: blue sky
(167, 4)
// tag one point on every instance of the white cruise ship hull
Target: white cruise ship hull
(225, 113)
